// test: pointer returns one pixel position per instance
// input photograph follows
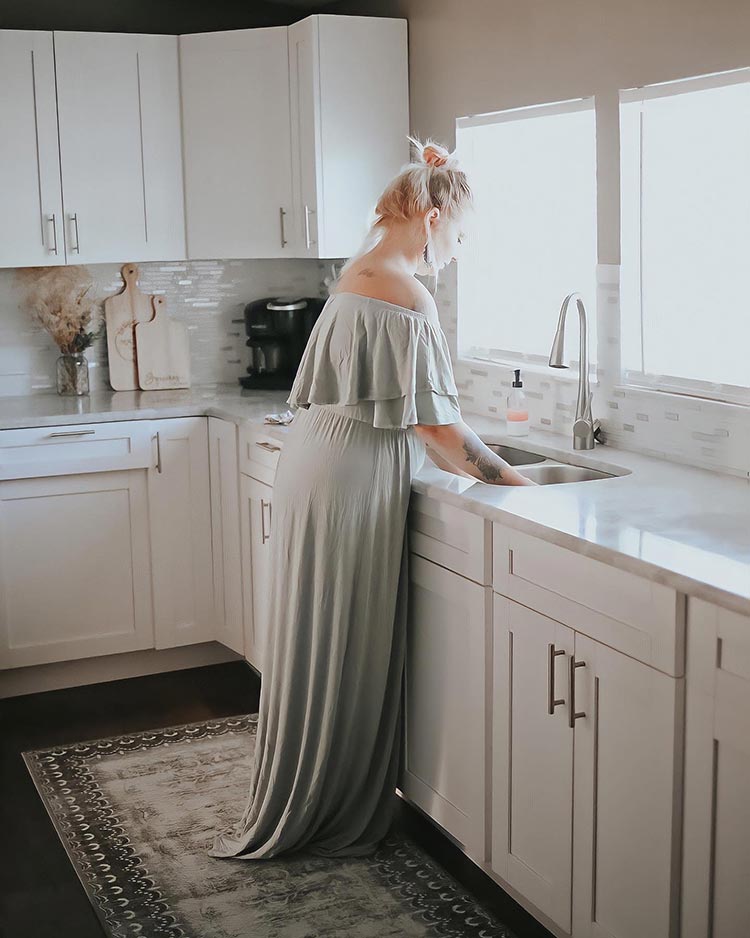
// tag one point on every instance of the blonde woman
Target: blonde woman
(375, 393)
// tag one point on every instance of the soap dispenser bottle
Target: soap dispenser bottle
(517, 413)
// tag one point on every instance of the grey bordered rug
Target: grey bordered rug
(137, 814)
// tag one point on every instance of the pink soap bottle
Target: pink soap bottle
(517, 413)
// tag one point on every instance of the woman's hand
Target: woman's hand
(465, 454)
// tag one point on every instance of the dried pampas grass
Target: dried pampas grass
(61, 301)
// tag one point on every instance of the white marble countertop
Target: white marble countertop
(685, 527)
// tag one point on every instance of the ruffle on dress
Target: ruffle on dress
(364, 349)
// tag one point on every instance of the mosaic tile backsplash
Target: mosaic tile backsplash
(209, 296)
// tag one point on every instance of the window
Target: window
(685, 235)
(532, 237)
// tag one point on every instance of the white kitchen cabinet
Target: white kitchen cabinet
(349, 99)
(118, 106)
(257, 510)
(444, 745)
(225, 533)
(532, 755)
(180, 526)
(716, 860)
(238, 174)
(628, 759)
(609, 781)
(75, 567)
(30, 194)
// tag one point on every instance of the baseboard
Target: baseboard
(36, 679)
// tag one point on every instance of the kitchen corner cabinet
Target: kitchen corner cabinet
(30, 194)
(180, 526)
(90, 153)
(257, 508)
(603, 787)
(444, 744)
(225, 533)
(291, 133)
(716, 853)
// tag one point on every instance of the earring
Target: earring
(429, 253)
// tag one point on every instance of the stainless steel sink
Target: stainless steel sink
(513, 456)
(556, 474)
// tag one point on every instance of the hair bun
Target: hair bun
(435, 155)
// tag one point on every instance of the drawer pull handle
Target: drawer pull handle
(553, 701)
(76, 248)
(59, 433)
(572, 715)
(265, 537)
(284, 241)
(268, 447)
(52, 221)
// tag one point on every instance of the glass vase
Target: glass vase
(73, 374)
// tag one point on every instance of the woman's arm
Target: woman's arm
(460, 447)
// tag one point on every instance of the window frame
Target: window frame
(647, 381)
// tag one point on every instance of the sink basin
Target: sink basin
(556, 474)
(513, 456)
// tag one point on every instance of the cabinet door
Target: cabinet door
(30, 195)
(627, 755)
(256, 553)
(225, 533)
(444, 745)
(238, 176)
(74, 567)
(180, 524)
(532, 757)
(716, 865)
(305, 140)
(120, 151)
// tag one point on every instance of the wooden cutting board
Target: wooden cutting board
(163, 350)
(121, 313)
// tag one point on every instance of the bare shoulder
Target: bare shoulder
(383, 284)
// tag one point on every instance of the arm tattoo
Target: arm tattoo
(366, 272)
(490, 472)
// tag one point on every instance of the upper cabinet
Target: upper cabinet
(30, 195)
(91, 160)
(290, 134)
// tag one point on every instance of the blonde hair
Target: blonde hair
(432, 178)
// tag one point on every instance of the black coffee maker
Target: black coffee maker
(278, 329)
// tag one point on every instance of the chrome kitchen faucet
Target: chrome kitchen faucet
(585, 431)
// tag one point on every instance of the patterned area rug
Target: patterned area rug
(137, 814)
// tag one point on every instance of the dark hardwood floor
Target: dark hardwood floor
(40, 894)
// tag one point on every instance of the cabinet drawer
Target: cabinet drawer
(259, 454)
(640, 618)
(67, 450)
(451, 537)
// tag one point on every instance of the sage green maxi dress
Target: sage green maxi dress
(329, 735)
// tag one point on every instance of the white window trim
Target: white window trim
(631, 379)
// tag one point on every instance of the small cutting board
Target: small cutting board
(163, 350)
(121, 313)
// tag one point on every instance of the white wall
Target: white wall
(472, 56)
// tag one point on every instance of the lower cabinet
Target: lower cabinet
(444, 744)
(180, 524)
(225, 533)
(716, 860)
(255, 499)
(586, 764)
(75, 567)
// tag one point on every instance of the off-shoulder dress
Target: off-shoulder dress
(329, 736)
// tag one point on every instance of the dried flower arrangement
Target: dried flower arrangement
(61, 301)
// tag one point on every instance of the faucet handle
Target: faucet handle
(598, 432)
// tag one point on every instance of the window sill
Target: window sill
(495, 366)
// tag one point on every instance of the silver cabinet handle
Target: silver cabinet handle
(158, 466)
(552, 701)
(308, 240)
(282, 213)
(572, 715)
(267, 446)
(51, 220)
(59, 433)
(76, 248)
(265, 537)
